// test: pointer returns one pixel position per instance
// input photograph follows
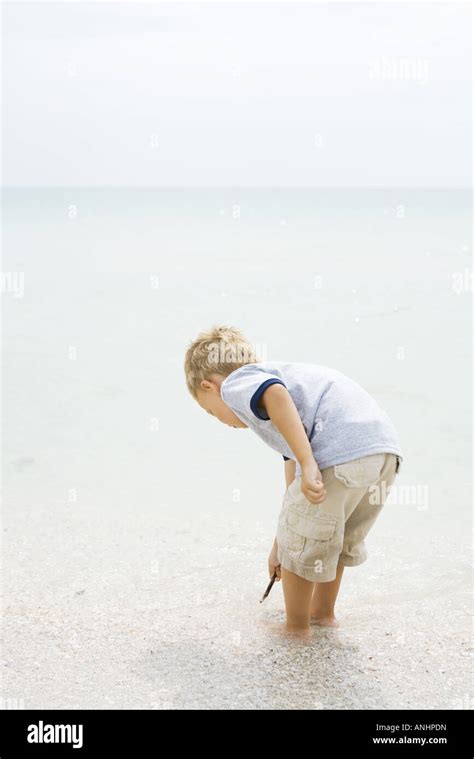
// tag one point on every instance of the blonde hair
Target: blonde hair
(218, 350)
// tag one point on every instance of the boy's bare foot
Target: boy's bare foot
(317, 619)
(298, 632)
(281, 629)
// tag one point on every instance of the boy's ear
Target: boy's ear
(205, 384)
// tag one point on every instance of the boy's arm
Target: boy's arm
(279, 406)
(290, 470)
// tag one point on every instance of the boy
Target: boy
(341, 455)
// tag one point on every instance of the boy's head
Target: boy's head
(213, 355)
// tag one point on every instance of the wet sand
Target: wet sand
(103, 623)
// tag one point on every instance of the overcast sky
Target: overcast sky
(267, 94)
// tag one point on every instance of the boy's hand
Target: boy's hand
(273, 563)
(312, 483)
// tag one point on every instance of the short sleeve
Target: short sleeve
(242, 389)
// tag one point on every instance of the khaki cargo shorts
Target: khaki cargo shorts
(313, 538)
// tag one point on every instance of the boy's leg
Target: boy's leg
(324, 600)
(297, 592)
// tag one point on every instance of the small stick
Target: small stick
(269, 587)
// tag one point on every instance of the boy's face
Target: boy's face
(209, 398)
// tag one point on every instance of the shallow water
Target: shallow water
(136, 529)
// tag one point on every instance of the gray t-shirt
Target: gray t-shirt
(342, 421)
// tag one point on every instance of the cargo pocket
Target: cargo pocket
(310, 532)
(361, 473)
(288, 540)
